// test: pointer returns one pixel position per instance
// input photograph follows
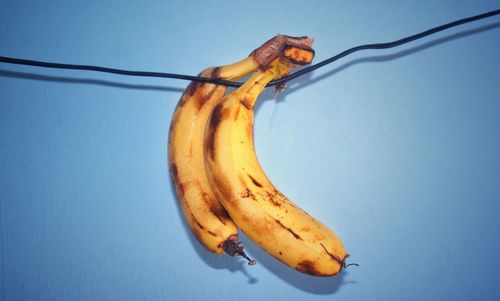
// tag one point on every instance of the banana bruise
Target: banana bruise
(263, 213)
(205, 216)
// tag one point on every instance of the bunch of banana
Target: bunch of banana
(219, 182)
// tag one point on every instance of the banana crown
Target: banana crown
(296, 51)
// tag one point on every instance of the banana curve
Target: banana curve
(263, 213)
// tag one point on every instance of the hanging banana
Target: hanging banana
(205, 216)
(263, 213)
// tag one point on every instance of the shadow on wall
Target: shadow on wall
(316, 285)
(311, 284)
(85, 81)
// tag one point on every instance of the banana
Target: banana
(263, 213)
(205, 216)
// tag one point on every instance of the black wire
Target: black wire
(10, 60)
(385, 45)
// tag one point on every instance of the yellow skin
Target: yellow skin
(264, 214)
(204, 214)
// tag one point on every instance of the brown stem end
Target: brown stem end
(233, 247)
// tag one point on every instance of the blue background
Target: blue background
(396, 150)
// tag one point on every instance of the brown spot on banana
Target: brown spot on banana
(190, 90)
(247, 194)
(205, 95)
(217, 211)
(246, 104)
(307, 266)
(274, 199)
(196, 230)
(221, 214)
(175, 175)
(215, 72)
(254, 181)
(288, 229)
(202, 91)
(193, 86)
(212, 127)
(198, 223)
(274, 202)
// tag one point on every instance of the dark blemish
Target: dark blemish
(200, 101)
(192, 87)
(289, 230)
(198, 223)
(246, 104)
(215, 72)
(206, 199)
(212, 126)
(254, 181)
(190, 90)
(275, 203)
(307, 266)
(174, 171)
(333, 257)
(220, 214)
(194, 230)
(280, 253)
(175, 175)
(212, 233)
(248, 194)
(272, 200)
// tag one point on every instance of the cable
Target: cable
(384, 45)
(10, 60)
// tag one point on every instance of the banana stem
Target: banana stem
(233, 247)
(348, 265)
(237, 70)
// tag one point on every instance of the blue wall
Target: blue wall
(398, 151)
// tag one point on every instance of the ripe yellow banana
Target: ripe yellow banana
(207, 219)
(205, 216)
(264, 214)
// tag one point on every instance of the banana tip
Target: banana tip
(233, 247)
